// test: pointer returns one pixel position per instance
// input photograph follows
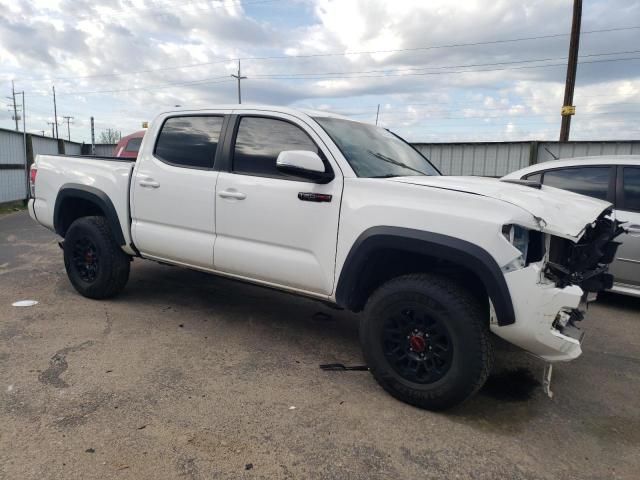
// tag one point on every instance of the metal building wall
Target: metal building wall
(12, 181)
(44, 145)
(496, 159)
(585, 149)
(493, 159)
(72, 148)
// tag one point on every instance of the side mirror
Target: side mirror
(305, 164)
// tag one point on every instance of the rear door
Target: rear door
(173, 190)
(267, 229)
(626, 268)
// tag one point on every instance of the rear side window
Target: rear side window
(590, 181)
(631, 188)
(259, 142)
(133, 145)
(189, 141)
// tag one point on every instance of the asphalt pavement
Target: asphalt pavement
(186, 375)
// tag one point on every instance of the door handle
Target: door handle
(634, 229)
(149, 183)
(232, 194)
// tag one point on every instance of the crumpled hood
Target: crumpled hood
(558, 212)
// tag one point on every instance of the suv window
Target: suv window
(590, 181)
(133, 145)
(189, 141)
(631, 188)
(259, 142)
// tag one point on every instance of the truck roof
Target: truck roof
(270, 108)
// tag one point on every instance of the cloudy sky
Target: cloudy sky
(441, 70)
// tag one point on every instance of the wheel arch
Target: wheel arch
(74, 201)
(352, 291)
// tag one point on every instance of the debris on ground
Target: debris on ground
(339, 367)
(90, 450)
(24, 303)
(322, 317)
(248, 466)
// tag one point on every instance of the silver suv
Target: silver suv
(615, 179)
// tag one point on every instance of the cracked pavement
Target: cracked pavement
(186, 375)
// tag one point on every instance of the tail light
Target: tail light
(32, 181)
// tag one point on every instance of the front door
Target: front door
(626, 268)
(173, 191)
(266, 230)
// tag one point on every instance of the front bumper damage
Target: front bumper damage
(550, 297)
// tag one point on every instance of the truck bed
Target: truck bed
(105, 177)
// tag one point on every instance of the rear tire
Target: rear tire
(426, 341)
(96, 265)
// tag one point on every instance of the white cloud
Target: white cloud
(45, 42)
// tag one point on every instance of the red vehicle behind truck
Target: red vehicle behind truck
(128, 146)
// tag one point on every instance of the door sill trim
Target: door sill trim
(240, 278)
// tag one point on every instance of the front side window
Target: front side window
(631, 188)
(373, 151)
(189, 141)
(590, 181)
(259, 142)
(133, 145)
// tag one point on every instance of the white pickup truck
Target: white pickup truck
(347, 213)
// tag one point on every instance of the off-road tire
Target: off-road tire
(462, 314)
(112, 264)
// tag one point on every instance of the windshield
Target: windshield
(374, 152)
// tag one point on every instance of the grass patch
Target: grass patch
(11, 207)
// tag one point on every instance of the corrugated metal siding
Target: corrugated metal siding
(12, 182)
(585, 149)
(498, 159)
(72, 148)
(104, 149)
(485, 159)
(12, 185)
(44, 146)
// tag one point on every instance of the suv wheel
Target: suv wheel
(96, 265)
(426, 341)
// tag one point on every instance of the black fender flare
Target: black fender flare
(90, 194)
(436, 245)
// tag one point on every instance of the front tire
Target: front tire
(96, 265)
(426, 341)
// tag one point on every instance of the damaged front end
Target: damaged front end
(584, 264)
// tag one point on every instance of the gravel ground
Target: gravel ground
(187, 375)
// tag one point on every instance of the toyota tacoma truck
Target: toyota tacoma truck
(346, 213)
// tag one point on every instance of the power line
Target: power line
(434, 47)
(155, 87)
(290, 57)
(402, 69)
(347, 76)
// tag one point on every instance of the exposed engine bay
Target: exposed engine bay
(585, 263)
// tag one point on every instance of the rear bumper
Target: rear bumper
(537, 306)
(30, 207)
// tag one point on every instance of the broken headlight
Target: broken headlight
(518, 237)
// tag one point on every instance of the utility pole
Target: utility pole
(377, 114)
(568, 109)
(68, 119)
(53, 128)
(55, 110)
(93, 138)
(24, 145)
(239, 77)
(15, 107)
